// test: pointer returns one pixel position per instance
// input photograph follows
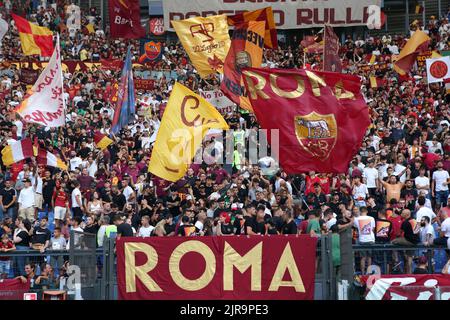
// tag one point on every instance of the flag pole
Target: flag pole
(324, 45)
(423, 14)
(58, 44)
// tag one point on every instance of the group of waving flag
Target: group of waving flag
(321, 116)
(44, 105)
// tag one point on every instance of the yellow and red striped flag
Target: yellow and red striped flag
(47, 158)
(407, 57)
(17, 151)
(377, 82)
(34, 39)
(265, 14)
(101, 140)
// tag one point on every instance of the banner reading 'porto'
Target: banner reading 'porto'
(216, 268)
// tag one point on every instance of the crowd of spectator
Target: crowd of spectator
(395, 191)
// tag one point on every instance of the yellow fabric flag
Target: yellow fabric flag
(90, 28)
(184, 124)
(206, 40)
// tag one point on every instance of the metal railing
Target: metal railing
(79, 262)
(381, 254)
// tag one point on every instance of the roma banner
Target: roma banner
(217, 268)
(13, 289)
(185, 122)
(206, 40)
(44, 103)
(287, 14)
(246, 51)
(125, 19)
(332, 61)
(218, 100)
(321, 117)
(406, 287)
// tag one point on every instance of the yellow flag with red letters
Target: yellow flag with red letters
(206, 40)
(184, 124)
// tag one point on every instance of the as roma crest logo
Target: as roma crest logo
(438, 69)
(316, 133)
(152, 52)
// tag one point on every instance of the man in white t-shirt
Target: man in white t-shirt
(426, 231)
(146, 229)
(370, 175)
(75, 161)
(77, 201)
(360, 192)
(423, 211)
(365, 225)
(422, 182)
(444, 234)
(439, 185)
(128, 192)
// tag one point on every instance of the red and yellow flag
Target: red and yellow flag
(101, 140)
(320, 117)
(265, 14)
(415, 45)
(376, 82)
(246, 51)
(34, 39)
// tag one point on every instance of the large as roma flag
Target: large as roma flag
(331, 60)
(125, 19)
(246, 51)
(185, 122)
(206, 40)
(265, 14)
(33, 38)
(321, 117)
(407, 57)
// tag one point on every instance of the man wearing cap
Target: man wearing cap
(26, 201)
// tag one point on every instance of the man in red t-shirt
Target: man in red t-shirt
(311, 180)
(60, 201)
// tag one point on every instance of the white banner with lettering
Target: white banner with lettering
(218, 100)
(288, 14)
(44, 103)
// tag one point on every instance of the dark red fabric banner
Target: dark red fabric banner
(13, 289)
(320, 117)
(217, 268)
(407, 286)
(125, 19)
(144, 84)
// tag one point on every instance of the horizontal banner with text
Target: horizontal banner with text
(216, 268)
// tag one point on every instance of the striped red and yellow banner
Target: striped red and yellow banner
(34, 39)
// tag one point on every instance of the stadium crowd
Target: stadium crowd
(395, 191)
